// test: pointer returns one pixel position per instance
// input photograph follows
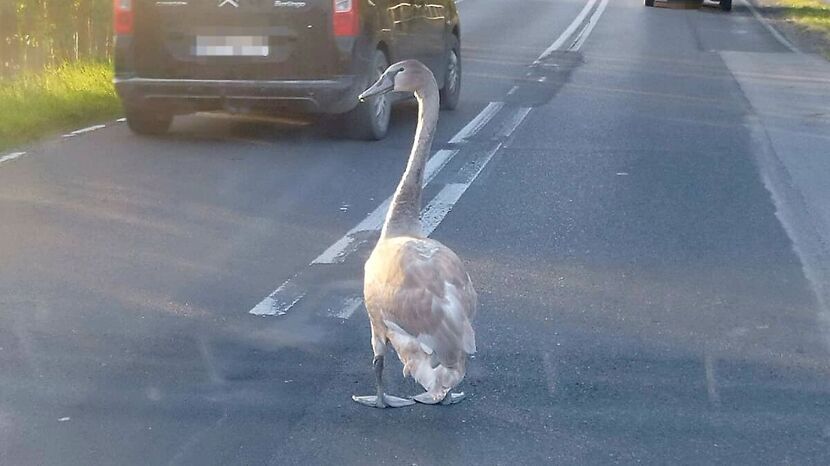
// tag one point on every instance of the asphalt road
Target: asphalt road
(643, 209)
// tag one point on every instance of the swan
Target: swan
(418, 296)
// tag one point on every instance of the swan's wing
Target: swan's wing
(421, 287)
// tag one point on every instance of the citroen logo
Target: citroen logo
(233, 3)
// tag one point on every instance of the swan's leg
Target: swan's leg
(381, 400)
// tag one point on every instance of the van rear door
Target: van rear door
(234, 39)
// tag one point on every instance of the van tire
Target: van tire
(369, 121)
(147, 122)
(451, 91)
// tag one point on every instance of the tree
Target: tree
(9, 41)
(37, 33)
(83, 15)
(60, 15)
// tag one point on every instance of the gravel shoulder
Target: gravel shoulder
(809, 31)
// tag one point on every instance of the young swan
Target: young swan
(417, 293)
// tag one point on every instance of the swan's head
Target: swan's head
(404, 76)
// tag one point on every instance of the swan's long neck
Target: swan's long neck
(403, 218)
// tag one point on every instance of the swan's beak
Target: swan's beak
(385, 84)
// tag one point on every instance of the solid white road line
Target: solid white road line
(475, 125)
(783, 40)
(592, 21)
(557, 44)
(12, 156)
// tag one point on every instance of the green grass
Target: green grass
(813, 15)
(56, 99)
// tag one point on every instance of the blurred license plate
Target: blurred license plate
(231, 46)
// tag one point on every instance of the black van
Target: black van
(292, 56)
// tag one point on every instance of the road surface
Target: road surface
(640, 197)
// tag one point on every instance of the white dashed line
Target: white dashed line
(78, 132)
(347, 307)
(72, 134)
(480, 121)
(88, 129)
(12, 156)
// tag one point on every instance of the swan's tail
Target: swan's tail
(421, 363)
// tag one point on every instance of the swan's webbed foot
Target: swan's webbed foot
(386, 401)
(450, 399)
(381, 400)
(453, 398)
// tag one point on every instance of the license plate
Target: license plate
(231, 46)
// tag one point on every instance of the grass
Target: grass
(813, 15)
(56, 99)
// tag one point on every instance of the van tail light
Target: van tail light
(346, 18)
(123, 16)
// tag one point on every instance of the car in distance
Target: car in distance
(725, 5)
(176, 57)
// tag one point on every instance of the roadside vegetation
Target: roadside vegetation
(55, 71)
(812, 16)
(54, 99)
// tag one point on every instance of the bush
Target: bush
(57, 98)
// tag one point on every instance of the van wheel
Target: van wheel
(649, 2)
(452, 78)
(148, 122)
(726, 5)
(370, 120)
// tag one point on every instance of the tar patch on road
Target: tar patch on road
(544, 79)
